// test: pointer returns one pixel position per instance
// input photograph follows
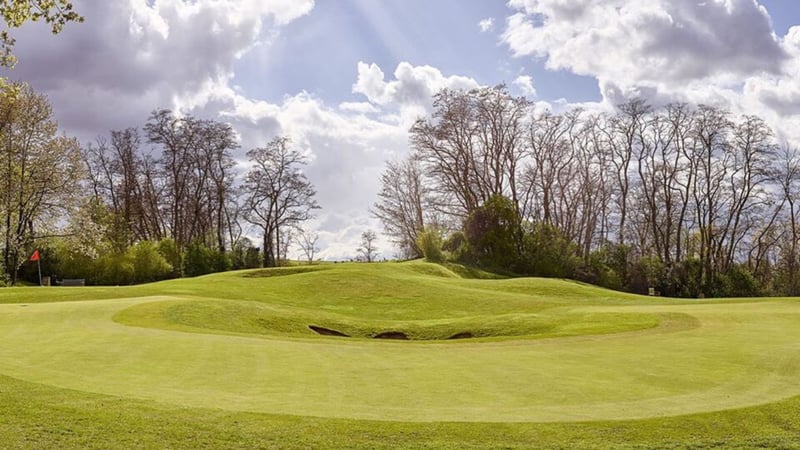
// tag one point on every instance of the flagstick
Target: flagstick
(39, 264)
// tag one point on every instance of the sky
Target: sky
(345, 79)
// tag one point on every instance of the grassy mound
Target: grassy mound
(244, 345)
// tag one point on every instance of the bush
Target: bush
(603, 267)
(493, 231)
(148, 263)
(738, 282)
(220, 261)
(430, 242)
(169, 250)
(114, 269)
(548, 253)
(199, 260)
(456, 247)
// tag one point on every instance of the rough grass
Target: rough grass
(228, 361)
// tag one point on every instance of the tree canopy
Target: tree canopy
(15, 13)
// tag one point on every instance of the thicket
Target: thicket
(685, 200)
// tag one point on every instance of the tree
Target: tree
(308, 243)
(367, 250)
(404, 205)
(40, 173)
(124, 179)
(430, 242)
(196, 167)
(16, 12)
(278, 196)
(494, 234)
(471, 147)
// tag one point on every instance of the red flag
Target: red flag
(35, 255)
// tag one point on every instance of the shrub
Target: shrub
(738, 282)
(430, 242)
(220, 261)
(114, 269)
(148, 263)
(456, 247)
(199, 260)
(493, 231)
(602, 268)
(548, 253)
(169, 250)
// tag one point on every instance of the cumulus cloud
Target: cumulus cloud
(132, 56)
(525, 84)
(410, 91)
(718, 52)
(650, 42)
(486, 25)
(359, 107)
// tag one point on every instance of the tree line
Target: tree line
(142, 204)
(687, 200)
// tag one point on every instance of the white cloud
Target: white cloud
(486, 25)
(718, 52)
(525, 85)
(664, 42)
(130, 57)
(359, 107)
(410, 92)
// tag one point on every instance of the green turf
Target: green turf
(551, 355)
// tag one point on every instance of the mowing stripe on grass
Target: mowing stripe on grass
(740, 354)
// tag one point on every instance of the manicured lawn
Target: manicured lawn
(229, 360)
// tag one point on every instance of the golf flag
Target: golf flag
(35, 255)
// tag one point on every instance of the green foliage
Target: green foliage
(606, 267)
(15, 13)
(429, 241)
(252, 258)
(687, 279)
(199, 260)
(456, 247)
(113, 269)
(73, 262)
(220, 262)
(737, 282)
(148, 263)
(548, 253)
(492, 232)
(650, 272)
(244, 255)
(168, 248)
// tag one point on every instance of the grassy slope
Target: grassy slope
(702, 357)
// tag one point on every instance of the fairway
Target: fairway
(671, 358)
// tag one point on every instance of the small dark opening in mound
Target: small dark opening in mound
(391, 335)
(326, 331)
(463, 335)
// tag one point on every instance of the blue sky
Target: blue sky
(319, 52)
(344, 79)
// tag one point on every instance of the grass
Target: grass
(228, 360)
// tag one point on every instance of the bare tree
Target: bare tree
(367, 250)
(404, 205)
(471, 147)
(277, 194)
(197, 170)
(308, 243)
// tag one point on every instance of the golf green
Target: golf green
(687, 358)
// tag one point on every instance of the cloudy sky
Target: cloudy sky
(345, 78)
